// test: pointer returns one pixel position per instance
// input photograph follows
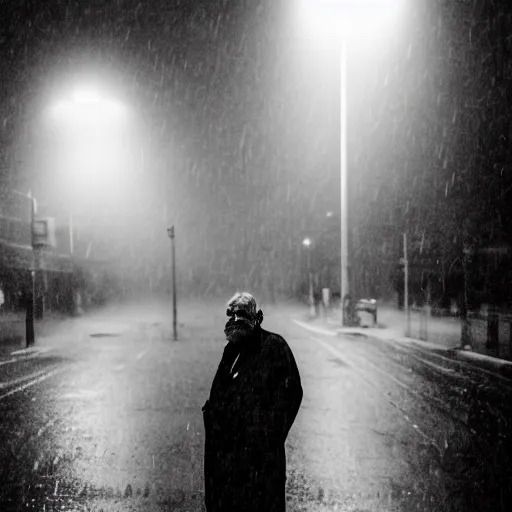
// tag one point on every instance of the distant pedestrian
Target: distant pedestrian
(254, 399)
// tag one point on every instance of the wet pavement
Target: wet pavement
(109, 418)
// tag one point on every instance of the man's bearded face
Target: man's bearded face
(240, 324)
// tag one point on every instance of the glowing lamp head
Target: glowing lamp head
(338, 20)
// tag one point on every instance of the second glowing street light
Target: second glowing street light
(343, 21)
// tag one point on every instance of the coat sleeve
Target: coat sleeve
(273, 417)
(289, 392)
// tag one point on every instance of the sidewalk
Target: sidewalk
(443, 336)
(13, 331)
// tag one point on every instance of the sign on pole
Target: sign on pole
(43, 233)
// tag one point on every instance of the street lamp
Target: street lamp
(342, 21)
(92, 141)
(307, 244)
(92, 144)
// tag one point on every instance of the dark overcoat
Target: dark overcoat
(254, 399)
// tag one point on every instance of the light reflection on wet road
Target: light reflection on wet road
(118, 426)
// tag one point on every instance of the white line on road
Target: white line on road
(9, 361)
(318, 330)
(364, 375)
(31, 383)
(25, 358)
(4, 385)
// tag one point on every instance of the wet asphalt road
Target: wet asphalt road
(110, 418)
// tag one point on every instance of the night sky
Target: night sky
(237, 119)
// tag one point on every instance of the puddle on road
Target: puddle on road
(355, 335)
(338, 362)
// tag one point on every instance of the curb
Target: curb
(495, 365)
(500, 366)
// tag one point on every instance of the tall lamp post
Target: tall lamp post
(343, 178)
(341, 21)
(170, 233)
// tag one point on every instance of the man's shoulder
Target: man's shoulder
(272, 336)
(273, 341)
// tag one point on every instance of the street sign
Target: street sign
(43, 233)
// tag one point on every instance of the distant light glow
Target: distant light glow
(88, 96)
(306, 242)
(338, 20)
(84, 110)
(93, 145)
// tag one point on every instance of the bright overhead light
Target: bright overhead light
(87, 107)
(88, 96)
(347, 19)
(92, 141)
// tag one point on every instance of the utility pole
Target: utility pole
(170, 232)
(406, 290)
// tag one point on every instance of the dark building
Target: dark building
(64, 282)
